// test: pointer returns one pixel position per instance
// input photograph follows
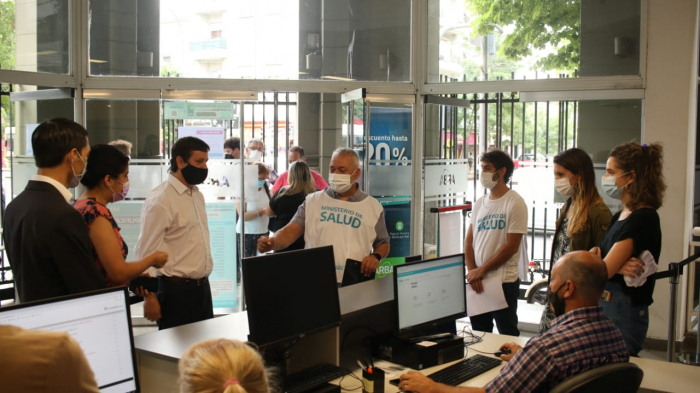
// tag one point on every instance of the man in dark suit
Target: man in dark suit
(46, 239)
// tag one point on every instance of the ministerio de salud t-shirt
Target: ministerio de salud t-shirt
(492, 221)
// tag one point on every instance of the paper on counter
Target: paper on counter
(491, 299)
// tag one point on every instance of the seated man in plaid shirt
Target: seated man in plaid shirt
(580, 338)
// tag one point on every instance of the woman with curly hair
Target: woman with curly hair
(633, 175)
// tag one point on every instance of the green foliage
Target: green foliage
(537, 24)
(168, 69)
(7, 35)
(7, 51)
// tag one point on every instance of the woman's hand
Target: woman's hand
(159, 259)
(632, 268)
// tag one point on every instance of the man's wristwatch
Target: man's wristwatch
(378, 256)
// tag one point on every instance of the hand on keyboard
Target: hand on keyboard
(413, 381)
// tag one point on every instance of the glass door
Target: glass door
(380, 128)
(449, 162)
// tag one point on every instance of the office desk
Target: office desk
(658, 376)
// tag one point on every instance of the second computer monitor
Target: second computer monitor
(429, 293)
(290, 294)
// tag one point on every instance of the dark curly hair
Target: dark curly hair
(646, 161)
(499, 159)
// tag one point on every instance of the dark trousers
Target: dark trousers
(183, 302)
(506, 319)
(251, 249)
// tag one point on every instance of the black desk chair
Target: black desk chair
(617, 377)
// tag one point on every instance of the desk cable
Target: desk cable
(470, 339)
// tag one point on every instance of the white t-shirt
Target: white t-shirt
(258, 225)
(492, 221)
(347, 226)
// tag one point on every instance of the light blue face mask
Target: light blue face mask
(610, 187)
(261, 183)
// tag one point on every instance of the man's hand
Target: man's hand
(474, 279)
(266, 244)
(413, 381)
(369, 265)
(151, 306)
(633, 268)
(513, 349)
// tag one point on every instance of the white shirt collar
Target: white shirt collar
(60, 187)
(179, 187)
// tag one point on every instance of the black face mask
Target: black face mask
(228, 157)
(557, 304)
(194, 175)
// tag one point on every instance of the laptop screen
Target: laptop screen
(99, 321)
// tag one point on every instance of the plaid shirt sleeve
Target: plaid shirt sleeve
(525, 372)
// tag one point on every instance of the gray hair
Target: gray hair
(588, 272)
(252, 141)
(346, 151)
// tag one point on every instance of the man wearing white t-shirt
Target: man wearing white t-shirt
(341, 216)
(494, 242)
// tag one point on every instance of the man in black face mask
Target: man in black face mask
(580, 338)
(174, 218)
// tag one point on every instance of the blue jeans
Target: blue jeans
(632, 321)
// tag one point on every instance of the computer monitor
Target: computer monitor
(99, 321)
(429, 293)
(290, 294)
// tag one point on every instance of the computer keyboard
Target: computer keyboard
(312, 377)
(464, 370)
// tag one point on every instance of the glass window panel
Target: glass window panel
(20, 118)
(34, 36)
(477, 40)
(268, 39)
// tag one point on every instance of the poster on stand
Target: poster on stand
(213, 136)
(390, 137)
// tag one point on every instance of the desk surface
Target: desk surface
(170, 344)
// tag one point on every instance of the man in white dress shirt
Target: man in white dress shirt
(174, 220)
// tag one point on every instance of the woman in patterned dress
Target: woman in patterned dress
(107, 181)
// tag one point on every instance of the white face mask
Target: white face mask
(610, 187)
(339, 182)
(487, 181)
(564, 186)
(255, 155)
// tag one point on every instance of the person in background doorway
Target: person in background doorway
(584, 218)
(46, 240)
(174, 220)
(253, 215)
(232, 148)
(495, 244)
(255, 152)
(123, 146)
(296, 153)
(107, 181)
(223, 366)
(285, 202)
(634, 174)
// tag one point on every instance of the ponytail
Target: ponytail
(647, 162)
